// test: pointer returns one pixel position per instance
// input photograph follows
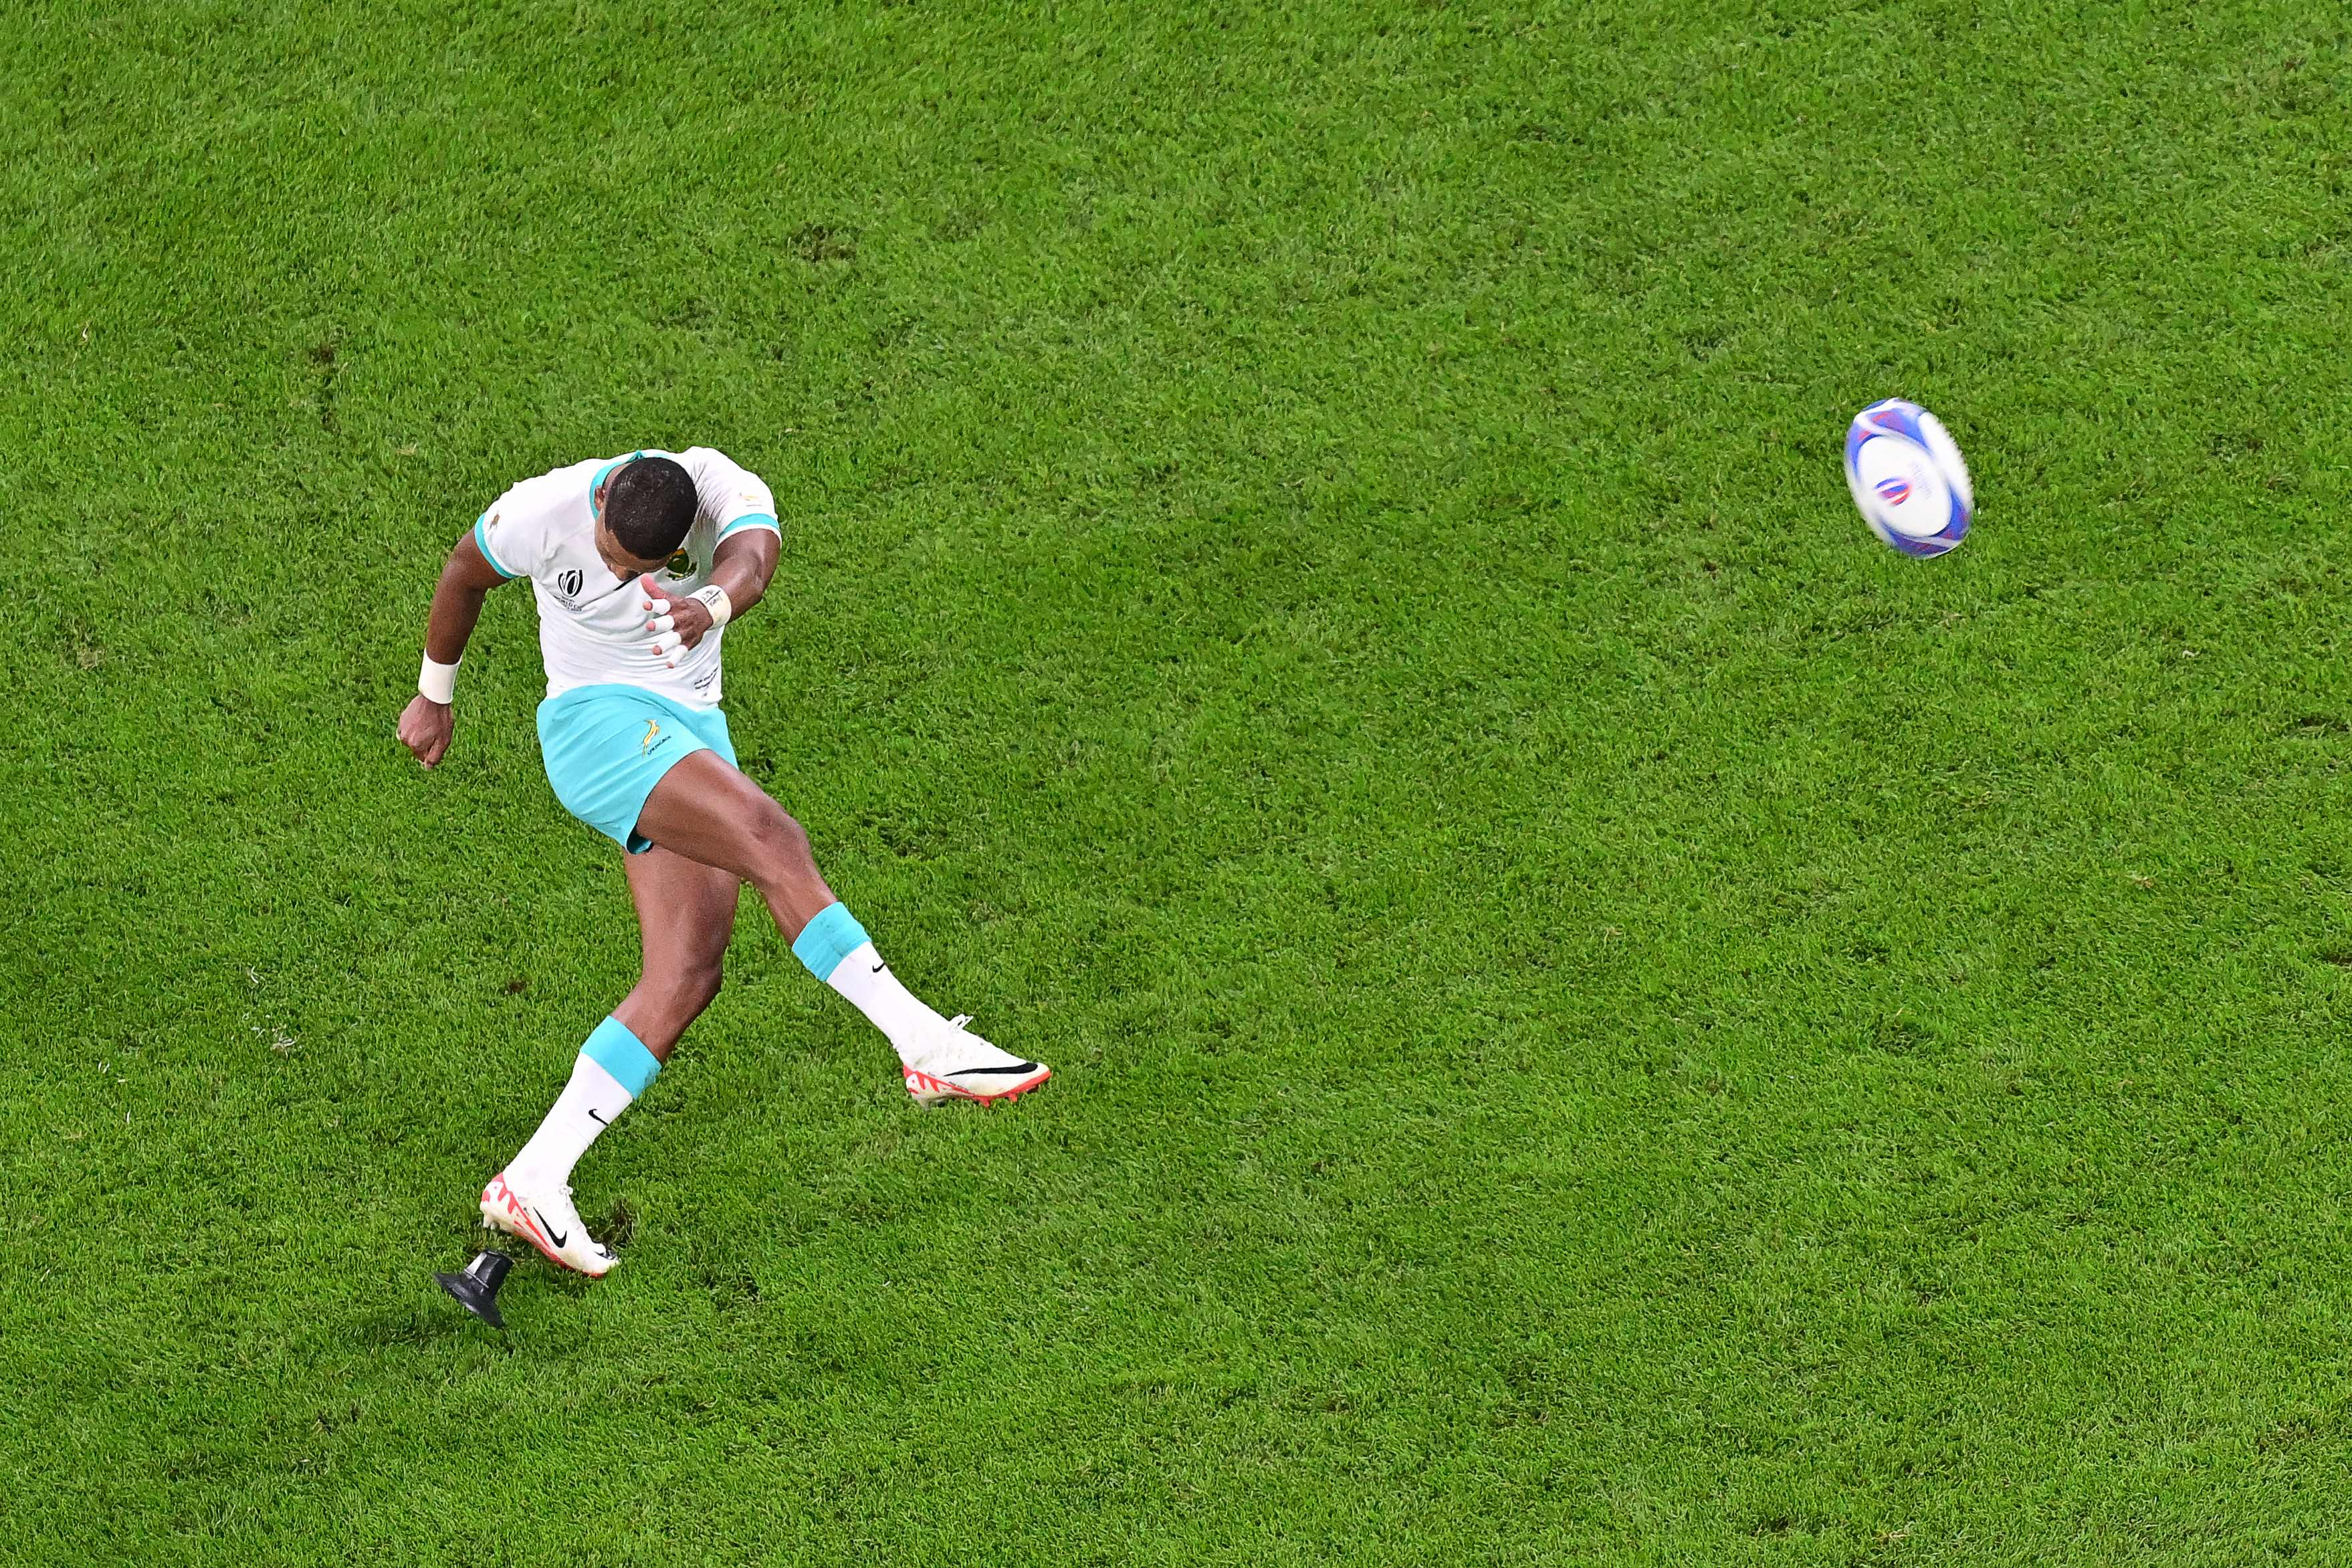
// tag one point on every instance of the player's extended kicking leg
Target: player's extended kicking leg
(706, 808)
(686, 913)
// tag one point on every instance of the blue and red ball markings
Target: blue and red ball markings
(1937, 543)
(1895, 416)
(1899, 417)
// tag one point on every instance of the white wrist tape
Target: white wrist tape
(714, 598)
(437, 682)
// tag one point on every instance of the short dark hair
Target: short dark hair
(649, 505)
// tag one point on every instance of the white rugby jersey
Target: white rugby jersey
(592, 624)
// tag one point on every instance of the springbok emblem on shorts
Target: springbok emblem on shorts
(653, 733)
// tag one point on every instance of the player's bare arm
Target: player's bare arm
(425, 725)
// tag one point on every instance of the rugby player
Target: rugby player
(639, 563)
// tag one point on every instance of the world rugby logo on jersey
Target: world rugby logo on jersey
(567, 587)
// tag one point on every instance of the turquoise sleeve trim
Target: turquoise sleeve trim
(826, 941)
(615, 1048)
(754, 520)
(482, 543)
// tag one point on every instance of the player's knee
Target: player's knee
(778, 841)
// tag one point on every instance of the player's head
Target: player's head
(649, 504)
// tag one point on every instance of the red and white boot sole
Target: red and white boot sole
(928, 1089)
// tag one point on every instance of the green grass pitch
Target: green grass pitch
(1599, 1015)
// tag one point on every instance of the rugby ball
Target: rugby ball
(1907, 478)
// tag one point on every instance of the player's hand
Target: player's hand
(671, 624)
(426, 727)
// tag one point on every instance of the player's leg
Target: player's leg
(706, 808)
(686, 913)
(686, 916)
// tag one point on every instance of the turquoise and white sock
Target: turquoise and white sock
(613, 1069)
(836, 950)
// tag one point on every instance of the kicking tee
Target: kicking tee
(592, 624)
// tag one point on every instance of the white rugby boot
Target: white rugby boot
(543, 1215)
(960, 1065)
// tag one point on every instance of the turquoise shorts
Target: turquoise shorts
(606, 746)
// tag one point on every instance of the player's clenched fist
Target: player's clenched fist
(426, 727)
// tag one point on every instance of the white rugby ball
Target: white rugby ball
(1907, 478)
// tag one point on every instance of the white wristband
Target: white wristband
(437, 682)
(714, 598)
